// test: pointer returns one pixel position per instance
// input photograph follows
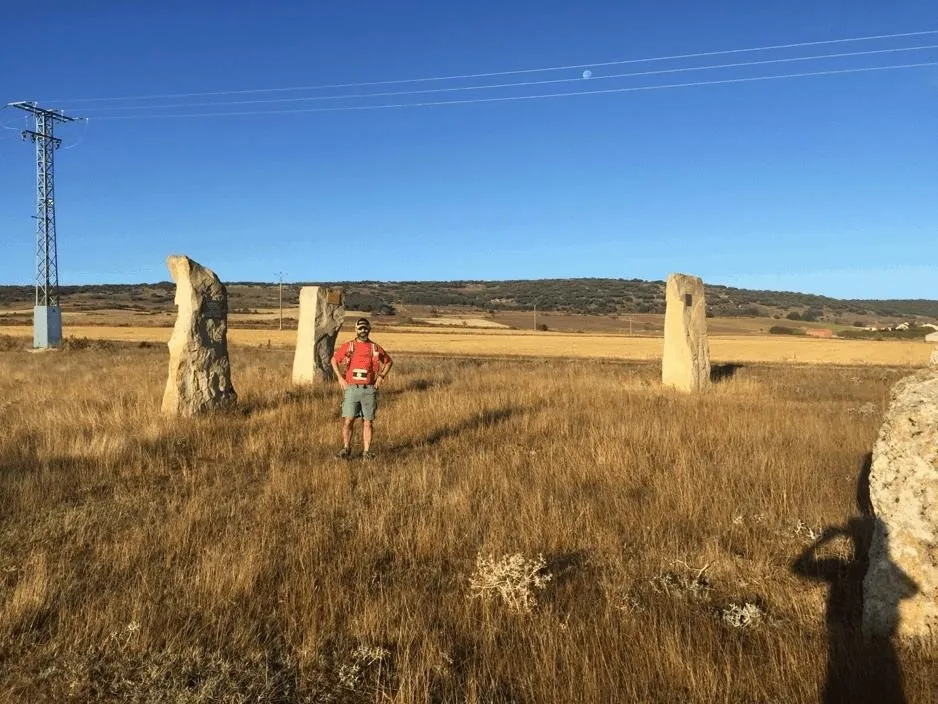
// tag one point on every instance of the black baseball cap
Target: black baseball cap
(362, 323)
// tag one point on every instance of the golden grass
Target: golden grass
(230, 558)
(519, 343)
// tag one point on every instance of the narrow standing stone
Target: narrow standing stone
(321, 316)
(685, 364)
(199, 373)
(900, 590)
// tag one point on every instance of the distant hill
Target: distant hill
(583, 296)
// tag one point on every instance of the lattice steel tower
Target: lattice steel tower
(47, 316)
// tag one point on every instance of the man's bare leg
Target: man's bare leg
(366, 434)
(348, 432)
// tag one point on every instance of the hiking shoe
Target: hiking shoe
(368, 456)
(343, 454)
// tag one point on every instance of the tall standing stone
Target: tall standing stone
(900, 589)
(685, 363)
(199, 373)
(321, 316)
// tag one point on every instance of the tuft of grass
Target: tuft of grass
(511, 578)
(8, 343)
(230, 558)
(745, 615)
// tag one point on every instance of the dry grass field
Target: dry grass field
(532, 531)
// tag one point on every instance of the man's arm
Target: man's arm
(384, 368)
(338, 375)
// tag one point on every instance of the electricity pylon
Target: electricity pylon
(47, 316)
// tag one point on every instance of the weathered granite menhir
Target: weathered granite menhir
(199, 372)
(321, 315)
(900, 590)
(685, 363)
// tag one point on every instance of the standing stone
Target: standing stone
(900, 590)
(321, 316)
(685, 364)
(199, 373)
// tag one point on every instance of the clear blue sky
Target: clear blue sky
(821, 184)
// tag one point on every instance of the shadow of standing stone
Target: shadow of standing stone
(859, 669)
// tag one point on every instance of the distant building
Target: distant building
(819, 332)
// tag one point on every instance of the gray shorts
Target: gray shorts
(360, 401)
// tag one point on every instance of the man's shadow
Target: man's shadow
(488, 419)
(859, 669)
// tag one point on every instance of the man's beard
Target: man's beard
(363, 336)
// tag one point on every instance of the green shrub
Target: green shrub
(910, 334)
(811, 315)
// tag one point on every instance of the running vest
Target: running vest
(361, 364)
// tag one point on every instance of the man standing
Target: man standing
(366, 365)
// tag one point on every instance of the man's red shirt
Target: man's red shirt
(364, 360)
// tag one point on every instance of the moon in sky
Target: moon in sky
(587, 74)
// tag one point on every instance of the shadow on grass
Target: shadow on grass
(421, 384)
(486, 419)
(722, 372)
(859, 668)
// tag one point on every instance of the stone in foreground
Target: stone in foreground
(321, 316)
(199, 373)
(900, 590)
(685, 364)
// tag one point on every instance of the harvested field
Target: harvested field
(461, 322)
(516, 343)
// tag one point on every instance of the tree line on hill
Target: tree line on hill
(583, 296)
(621, 296)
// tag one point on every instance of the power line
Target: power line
(517, 84)
(81, 137)
(492, 74)
(7, 127)
(511, 98)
